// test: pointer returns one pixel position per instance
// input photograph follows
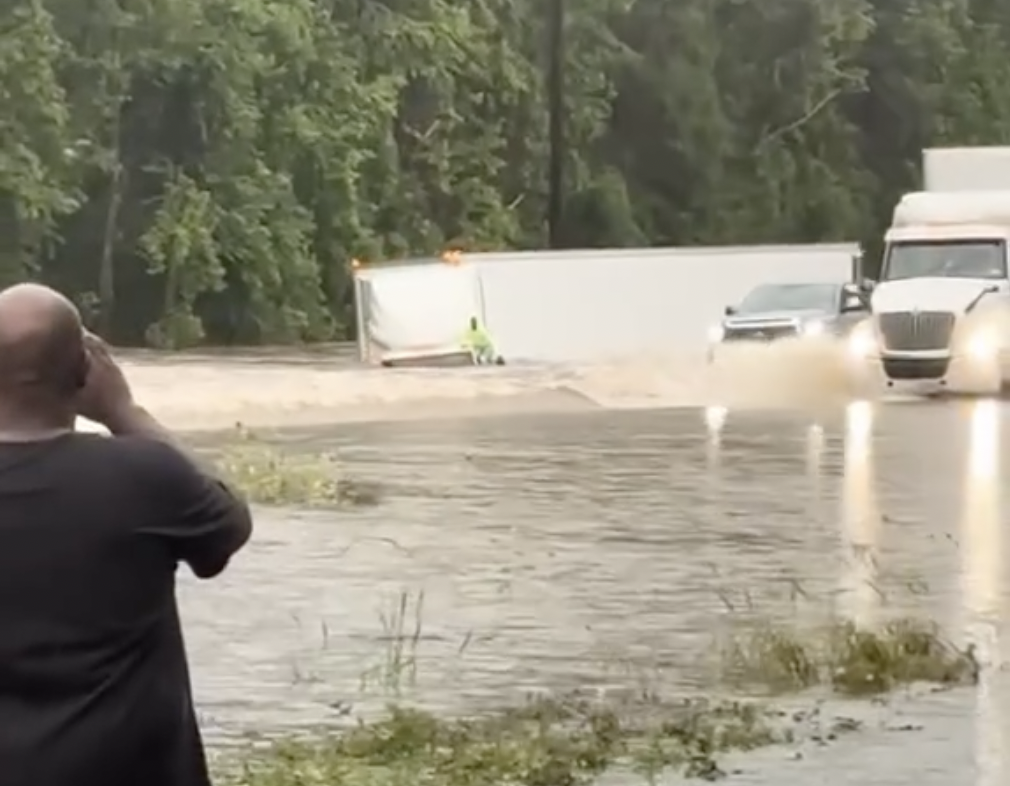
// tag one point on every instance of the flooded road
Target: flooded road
(207, 390)
(608, 549)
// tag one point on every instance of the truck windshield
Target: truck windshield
(946, 259)
(791, 297)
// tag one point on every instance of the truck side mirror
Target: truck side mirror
(857, 265)
(852, 304)
(860, 293)
(730, 311)
(992, 289)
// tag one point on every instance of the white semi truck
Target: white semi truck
(941, 309)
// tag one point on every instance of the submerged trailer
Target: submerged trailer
(415, 313)
(580, 305)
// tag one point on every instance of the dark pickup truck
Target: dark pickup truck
(777, 311)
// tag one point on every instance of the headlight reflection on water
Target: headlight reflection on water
(981, 551)
(715, 422)
(815, 467)
(860, 516)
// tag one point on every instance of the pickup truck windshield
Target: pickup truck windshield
(792, 297)
(945, 259)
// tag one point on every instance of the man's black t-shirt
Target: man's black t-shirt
(94, 685)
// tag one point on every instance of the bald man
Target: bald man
(94, 684)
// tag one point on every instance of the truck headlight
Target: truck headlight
(715, 334)
(862, 342)
(982, 345)
(813, 328)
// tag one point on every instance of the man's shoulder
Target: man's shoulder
(132, 455)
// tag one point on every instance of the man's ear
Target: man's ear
(82, 370)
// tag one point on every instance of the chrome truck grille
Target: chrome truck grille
(758, 332)
(917, 331)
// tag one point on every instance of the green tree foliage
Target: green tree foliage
(203, 170)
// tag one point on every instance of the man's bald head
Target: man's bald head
(41, 340)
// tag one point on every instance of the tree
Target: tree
(196, 171)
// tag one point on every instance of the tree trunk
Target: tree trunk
(556, 119)
(106, 271)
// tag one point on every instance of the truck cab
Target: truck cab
(941, 309)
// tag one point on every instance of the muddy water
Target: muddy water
(212, 391)
(602, 544)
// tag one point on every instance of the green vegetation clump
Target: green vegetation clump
(546, 742)
(851, 660)
(902, 652)
(268, 475)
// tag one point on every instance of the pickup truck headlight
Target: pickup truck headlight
(862, 342)
(814, 327)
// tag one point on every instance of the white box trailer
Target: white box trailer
(416, 313)
(584, 305)
(942, 306)
(966, 169)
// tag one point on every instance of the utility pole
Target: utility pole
(556, 120)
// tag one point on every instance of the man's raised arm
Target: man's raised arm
(205, 521)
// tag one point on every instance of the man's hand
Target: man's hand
(106, 397)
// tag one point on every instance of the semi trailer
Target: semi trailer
(585, 305)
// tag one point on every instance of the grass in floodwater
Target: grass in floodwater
(268, 475)
(571, 740)
(402, 627)
(852, 661)
(546, 742)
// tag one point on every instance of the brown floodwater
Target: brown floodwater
(607, 550)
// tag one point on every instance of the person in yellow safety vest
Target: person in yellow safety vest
(479, 343)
